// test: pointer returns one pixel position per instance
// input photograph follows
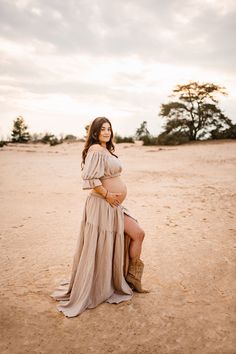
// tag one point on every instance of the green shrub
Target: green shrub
(70, 137)
(2, 143)
(55, 141)
(126, 139)
(149, 140)
(228, 133)
(172, 138)
(46, 138)
(51, 139)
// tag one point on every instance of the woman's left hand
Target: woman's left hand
(113, 199)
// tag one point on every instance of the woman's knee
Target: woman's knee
(133, 229)
(140, 235)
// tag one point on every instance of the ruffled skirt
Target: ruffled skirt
(100, 262)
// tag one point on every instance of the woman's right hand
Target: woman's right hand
(113, 199)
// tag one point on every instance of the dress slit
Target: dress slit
(100, 262)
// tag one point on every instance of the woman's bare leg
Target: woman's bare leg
(136, 233)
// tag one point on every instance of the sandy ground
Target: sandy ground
(185, 200)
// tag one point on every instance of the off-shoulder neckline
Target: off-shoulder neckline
(103, 150)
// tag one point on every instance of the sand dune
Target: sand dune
(185, 199)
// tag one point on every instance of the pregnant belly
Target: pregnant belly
(115, 185)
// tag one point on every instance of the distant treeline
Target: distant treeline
(20, 134)
(192, 115)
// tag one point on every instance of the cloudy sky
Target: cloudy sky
(63, 63)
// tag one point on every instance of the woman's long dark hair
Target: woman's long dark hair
(92, 137)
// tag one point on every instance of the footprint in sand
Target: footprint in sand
(16, 227)
(183, 287)
(183, 213)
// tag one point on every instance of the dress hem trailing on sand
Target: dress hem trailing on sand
(100, 262)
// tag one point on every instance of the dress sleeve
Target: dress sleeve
(93, 169)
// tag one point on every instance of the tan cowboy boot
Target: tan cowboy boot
(134, 275)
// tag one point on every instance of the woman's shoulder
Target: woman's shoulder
(96, 147)
(97, 150)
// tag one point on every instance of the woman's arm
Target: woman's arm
(101, 190)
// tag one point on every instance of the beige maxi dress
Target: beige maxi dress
(101, 258)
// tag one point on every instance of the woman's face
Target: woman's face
(105, 134)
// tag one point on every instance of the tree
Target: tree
(87, 130)
(142, 131)
(196, 111)
(19, 132)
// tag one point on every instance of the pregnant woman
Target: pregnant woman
(107, 265)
